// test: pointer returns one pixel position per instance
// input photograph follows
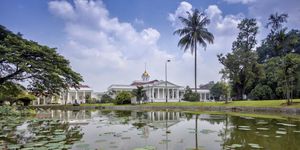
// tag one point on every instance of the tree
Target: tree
(9, 92)
(123, 98)
(193, 33)
(46, 71)
(189, 95)
(220, 91)
(139, 93)
(261, 92)
(106, 99)
(241, 65)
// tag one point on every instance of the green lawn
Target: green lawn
(263, 103)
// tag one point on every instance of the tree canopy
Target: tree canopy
(241, 65)
(40, 67)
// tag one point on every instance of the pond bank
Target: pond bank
(283, 110)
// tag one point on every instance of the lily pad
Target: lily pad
(263, 129)
(235, 146)
(286, 124)
(256, 146)
(281, 132)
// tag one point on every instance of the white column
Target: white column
(63, 98)
(84, 100)
(152, 93)
(68, 97)
(38, 100)
(204, 96)
(44, 100)
(158, 93)
(52, 99)
(173, 94)
(164, 97)
(178, 94)
(76, 96)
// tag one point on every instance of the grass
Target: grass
(262, 103)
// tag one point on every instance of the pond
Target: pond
(149, 130)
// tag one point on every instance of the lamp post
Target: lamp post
(166, 82)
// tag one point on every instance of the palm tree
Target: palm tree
(194, 32)
(139, 92)
(276, 20)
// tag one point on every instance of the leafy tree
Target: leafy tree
(46, 71)
(193, 33)
(123, 98)
(13, 93)
(220, 91)
(189, 95)
(25, 98)
(9, 92)
(139, 93)
(241, 65)
(261, 92)
(106, 99)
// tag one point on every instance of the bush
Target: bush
(106, 99)
(25, 98)
(123, 98)
(262, 92)
(191, 96)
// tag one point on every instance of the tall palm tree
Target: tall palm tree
(276, 20)
(194, 32)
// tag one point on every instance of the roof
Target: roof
(120, 86)
(140, 83)
(81, 87)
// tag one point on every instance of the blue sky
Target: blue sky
(108, 41)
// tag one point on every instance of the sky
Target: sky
(110, 41)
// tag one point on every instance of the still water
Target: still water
(157, 130)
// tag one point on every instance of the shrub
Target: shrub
(261, 92)
(191, 96)
(106, 99)
(123, 98)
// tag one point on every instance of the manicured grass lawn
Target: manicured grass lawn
(263, 103)
(104, 104)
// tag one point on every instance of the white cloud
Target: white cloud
(240, 1)
(62, 9)
(139, 21)
(105, 50)
(181, 11)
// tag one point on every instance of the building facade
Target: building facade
(70, 96)
(157, 90)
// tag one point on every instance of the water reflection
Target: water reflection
(178, 130)
(159, 130)
(35, 133)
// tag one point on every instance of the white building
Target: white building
(70, 96)
(156, 90)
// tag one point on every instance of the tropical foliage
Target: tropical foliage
(189, 95)
(193, 33)
(139, 93)
(220, 91)
(45, 70)
(123, 98)
(269, 71)
(106, 99)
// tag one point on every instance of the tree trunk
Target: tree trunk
(195, 67)
(196, 132)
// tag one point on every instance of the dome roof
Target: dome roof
(146, 74)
